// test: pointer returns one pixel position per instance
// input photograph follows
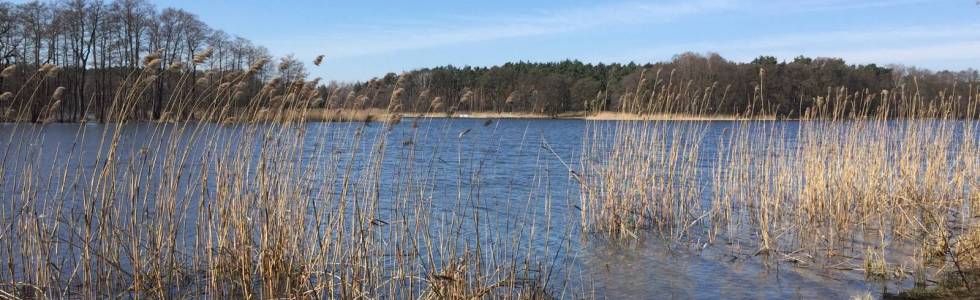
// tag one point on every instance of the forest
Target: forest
(67, 60)
(702, 83)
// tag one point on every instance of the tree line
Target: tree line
(78, 53)
(695, 83)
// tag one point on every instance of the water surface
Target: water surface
(521, 170)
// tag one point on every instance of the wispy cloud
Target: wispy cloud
(811, 6)
(392, 36)
(413, 34)
(912, 44)
(374, 46)
(944, 55)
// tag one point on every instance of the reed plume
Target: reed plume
(201, 57)
(45, 68)
(153, 64)
(271, 86)
(362, 100)
(175, 66)
(58, 93)
(150, 58)
(257, 65)
(394, 103)
(437, 104)
(351, 97)
(8, 71)
(53, 71)
(402, 80)
(467, 97)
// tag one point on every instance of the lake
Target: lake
(505, 185)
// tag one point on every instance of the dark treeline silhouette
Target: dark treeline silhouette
(65, 60)
(702, 84)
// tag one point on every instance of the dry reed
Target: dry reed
(193, 209)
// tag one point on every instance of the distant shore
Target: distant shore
(377, 115)
(326, 115)
(601, 116)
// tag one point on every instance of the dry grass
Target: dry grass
(967, 249)
(262, 208)
(647, 179)
(873, 182)
(257, 208)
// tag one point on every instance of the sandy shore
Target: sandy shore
(602, 116)
(327, 115)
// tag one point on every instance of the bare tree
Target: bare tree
(133, 15)
(98, 46)
(81, 19)
(8, 42)
(35, 18)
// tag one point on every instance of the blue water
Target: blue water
(504, 172)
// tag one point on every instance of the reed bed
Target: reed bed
(884, 183)
(638, 175)
(248, 198)
(228, 200)
(892, 187)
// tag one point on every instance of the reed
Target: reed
(234, 198)
(241, 197)
(644, 174)
(8, 71)
(865, 181)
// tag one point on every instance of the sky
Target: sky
(362, 39)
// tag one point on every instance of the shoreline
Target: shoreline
(601, 116)
(378, 115)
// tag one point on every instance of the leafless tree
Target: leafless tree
(97, 45)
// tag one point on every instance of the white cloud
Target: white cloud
(810, 6)
(925, 45)
(414, 34)
(385, 40)
(921, 54)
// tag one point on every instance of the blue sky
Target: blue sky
(367, 38)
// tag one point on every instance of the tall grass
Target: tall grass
(248, 198)
(880, 182)
(240, 201)
(644, 174)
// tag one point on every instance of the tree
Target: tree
(82, 19)
(8, 42)
(135, 16)
(95, 48)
